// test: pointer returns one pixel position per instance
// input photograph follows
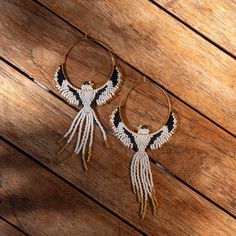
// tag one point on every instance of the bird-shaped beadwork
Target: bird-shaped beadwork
(141, 142)
(86, 118)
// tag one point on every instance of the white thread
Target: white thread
(87, 132)
(84, 134)
(75, 128)
(72, 125)
(149, 174)
(143, 179)
(141, 176)
(137, 176)
(80, 131)
(100, 126)
(92, 133)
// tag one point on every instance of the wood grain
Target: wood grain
(200, 153)
(161, 47)
(40, 203)
(181, 210)
(8, 230)
(215, 19)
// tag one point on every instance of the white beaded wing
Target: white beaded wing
(67, 90)
(107, 91)
(158, 138)
(126, 136)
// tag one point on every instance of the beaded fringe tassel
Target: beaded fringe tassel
(84, 123)
(142, 183)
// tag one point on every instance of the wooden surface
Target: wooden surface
(102, 166)
(200, 154)
(9, 230)
(97, 182)
(162, 48)
(214, 19)
(33, 199)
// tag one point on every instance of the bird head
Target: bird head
(143, 129)
(87, 85)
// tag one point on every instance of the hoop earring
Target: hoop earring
(85, 96)
(141, 142)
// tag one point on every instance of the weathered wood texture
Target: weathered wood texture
(39, 203)
(161, 47)
(8, 230)
(200, 153)
(216, 19)
(181, 210)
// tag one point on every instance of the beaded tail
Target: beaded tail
(83, 123)
(142, 183)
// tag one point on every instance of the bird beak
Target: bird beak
(142, 127)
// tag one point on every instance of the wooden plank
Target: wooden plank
(8, 230)
(215, 19)
(40, 203)
(200, 153)
(181, 210)
(161, 47)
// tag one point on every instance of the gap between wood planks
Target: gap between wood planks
(162, 8)
(68, 183)
(193, 29)
(169, 13)
(12, 225)
(191, 187)
(158, 165)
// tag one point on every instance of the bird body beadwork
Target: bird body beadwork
(141, 142)
(85, 97)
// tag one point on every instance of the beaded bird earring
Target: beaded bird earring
(85, 96)
(141, 141)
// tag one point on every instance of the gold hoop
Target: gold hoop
(89, 39)
(123, 101)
